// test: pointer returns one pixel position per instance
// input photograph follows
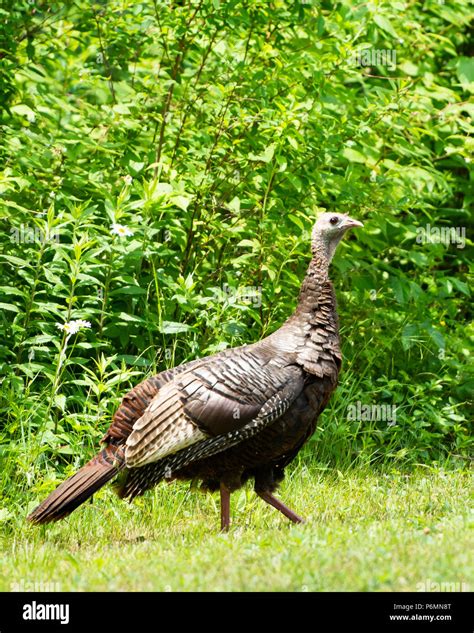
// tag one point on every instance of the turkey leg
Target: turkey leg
(279, 505)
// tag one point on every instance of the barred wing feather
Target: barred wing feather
(211, 405)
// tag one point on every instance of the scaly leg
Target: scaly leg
(279, 505)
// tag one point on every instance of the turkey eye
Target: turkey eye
(334, 220)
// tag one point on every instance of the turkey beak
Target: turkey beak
(350, 223)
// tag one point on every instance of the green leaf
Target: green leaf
(461, 286)
(123, 316)
(234, 204)
(385, 24)
(40, 338)
(23, 110)
(438, 338)
(10, 290)
(136, 166)
(255, 244)
(138, 361)
(59, 401)
(182, 202)
(265, 156)
(21, 263)
(296, 220)
(128, 290)
(9, 307)
(353, 155)
(465, 72)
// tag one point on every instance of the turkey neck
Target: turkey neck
(310, 336)
(311, 332)
(315, 285)
(315, 322)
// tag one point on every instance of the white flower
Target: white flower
(373, 175)
(72, 327)
(122, 231)
(128, 180)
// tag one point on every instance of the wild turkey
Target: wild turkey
(242, 413)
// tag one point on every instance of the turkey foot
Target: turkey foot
(279, 505)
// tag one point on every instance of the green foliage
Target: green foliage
(214, 131)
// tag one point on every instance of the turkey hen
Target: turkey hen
(242, 413)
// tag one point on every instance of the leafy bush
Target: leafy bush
(212, 132)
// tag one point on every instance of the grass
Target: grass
(365, 531)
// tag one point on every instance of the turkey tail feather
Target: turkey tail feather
(80, 486)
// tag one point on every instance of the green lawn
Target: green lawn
(365, 531)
